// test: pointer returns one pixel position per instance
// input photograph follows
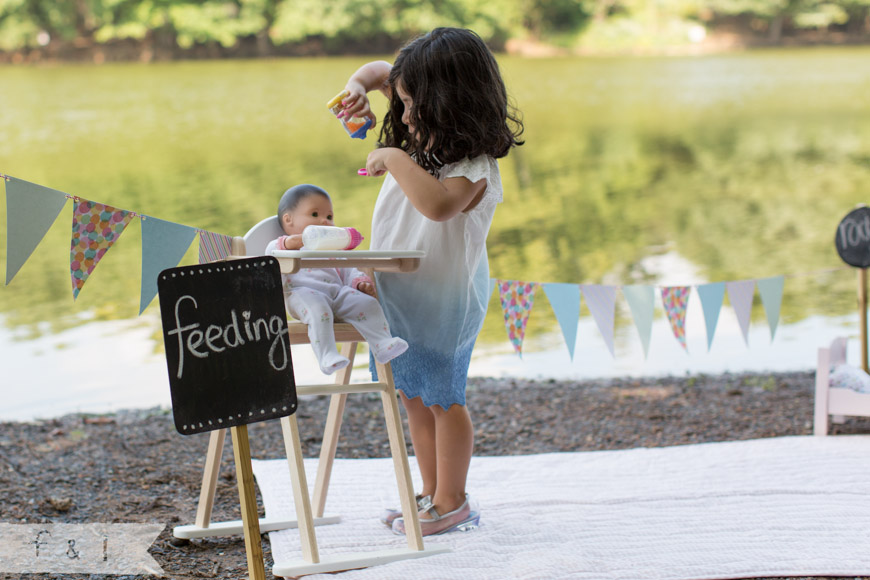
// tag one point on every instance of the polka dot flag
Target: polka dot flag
(517, 299)
(95, 227)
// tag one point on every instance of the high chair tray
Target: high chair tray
(292, 261)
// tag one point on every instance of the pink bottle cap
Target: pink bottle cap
(362, 171)
(356, 238)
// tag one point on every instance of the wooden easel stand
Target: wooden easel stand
(248, 501)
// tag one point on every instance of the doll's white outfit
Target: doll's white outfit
(439, 309)
(320, 296)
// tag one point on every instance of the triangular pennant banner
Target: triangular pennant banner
(213, 247)
(740, 294)
(771, 297)
(30, 211)
(711, 296)
(95, 228)
(565, 300)
(163, 245)
(641, 300)
(517, 299)
(675, 299)
(601, 301)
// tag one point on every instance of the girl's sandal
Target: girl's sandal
(390, 515)
(462, 518)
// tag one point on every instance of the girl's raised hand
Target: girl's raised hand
(356, 103)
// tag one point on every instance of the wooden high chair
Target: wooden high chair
(310, 512)
(831, 402)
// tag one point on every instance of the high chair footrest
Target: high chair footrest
(333, 389)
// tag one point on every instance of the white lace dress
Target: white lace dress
(438, 309)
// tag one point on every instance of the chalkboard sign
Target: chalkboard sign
(853, 238)
(227, 349)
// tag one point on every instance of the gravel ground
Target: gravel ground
(132, 466)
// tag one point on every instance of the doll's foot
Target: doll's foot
(386, 351)
(331, 363)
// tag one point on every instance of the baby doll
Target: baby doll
(319, 296)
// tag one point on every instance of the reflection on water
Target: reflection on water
(739, 165)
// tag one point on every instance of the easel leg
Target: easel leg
(330, 433)
(400, 459)
(248, 501)
(209, 477)
(304, 519)
(862, 311)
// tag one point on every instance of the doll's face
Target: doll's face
(312, 210)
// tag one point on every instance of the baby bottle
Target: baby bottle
(330, 238)
(356, 127)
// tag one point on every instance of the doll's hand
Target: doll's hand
(366, 288)
(356, 103)
(293, 242)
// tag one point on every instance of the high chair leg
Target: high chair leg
(330, 433)
(400, 458)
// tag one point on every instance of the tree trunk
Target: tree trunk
(774, 32)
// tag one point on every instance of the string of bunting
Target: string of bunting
(96, 227)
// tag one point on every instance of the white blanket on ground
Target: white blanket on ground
(790, 506)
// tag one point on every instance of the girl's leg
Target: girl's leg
(454, 444)
(421, 424)
(312, 308)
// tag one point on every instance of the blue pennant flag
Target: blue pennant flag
(641, 300)
(771, 297)
(163, 245)
(30, 211)
(711, 296)
(565, 300)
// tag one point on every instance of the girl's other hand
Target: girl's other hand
(293, 242)
(376, 163)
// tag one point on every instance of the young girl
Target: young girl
(448, 121)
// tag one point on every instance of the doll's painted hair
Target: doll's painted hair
(461, 108)
(297, 193)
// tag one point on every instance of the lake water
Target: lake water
(662, 171)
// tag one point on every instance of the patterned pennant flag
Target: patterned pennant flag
(213, 247)
(711, 302)
(740, 294)
(601, 301)
(641, 300)
(95, 228)
(675, 299)
(517, 299)
(771, 297)
(163, 245)
(565, 300)
(30, 211)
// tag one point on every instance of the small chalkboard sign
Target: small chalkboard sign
(853, 238)
(227, 349)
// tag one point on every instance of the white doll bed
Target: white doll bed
(832, 401)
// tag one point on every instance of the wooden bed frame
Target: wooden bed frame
(834, 402)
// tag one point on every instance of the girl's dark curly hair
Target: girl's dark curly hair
(461, 109)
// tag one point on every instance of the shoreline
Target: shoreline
(133, 467)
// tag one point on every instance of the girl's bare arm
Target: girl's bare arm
(437, 200)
